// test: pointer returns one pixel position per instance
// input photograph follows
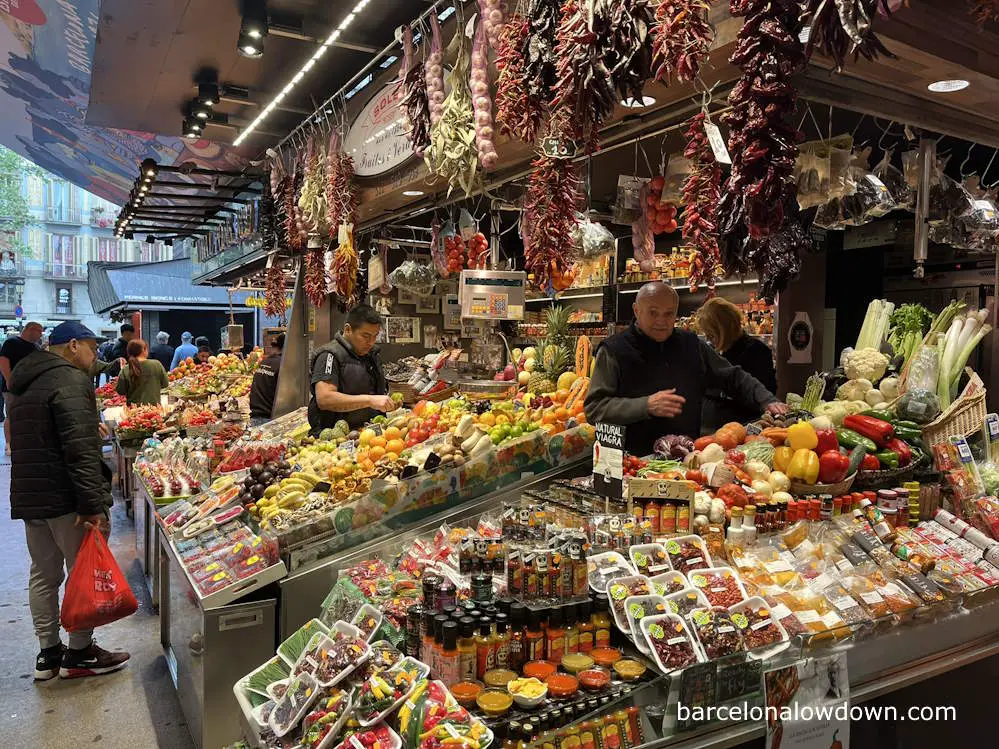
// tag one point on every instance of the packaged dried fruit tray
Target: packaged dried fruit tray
(848, 607)
(671, 642)
(367, 619)
(762, 634)
(688, 553)
(619, 589)
(682, 602)
(817, 615)
(332, 658)
(668, 582)
(716, 632)
(637, 608)
(720, 585)
(649, 559)
(602, 568)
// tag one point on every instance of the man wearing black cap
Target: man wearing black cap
(58, 488)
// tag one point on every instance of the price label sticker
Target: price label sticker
(558, 148)
(992, 424)
(716, 142)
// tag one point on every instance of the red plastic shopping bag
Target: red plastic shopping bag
(97, 592)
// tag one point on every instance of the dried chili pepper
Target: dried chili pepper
(627, 48)
(984, 11)
(841, 27)
(344, 267)
(341, 202)
(274, 291)
(553, 196)
(414, 102)
(682, 39)
(315, 281)
(516, 114)
(700, 195)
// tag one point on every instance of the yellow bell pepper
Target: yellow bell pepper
(802, 436)
(782, 458)
(804, 466)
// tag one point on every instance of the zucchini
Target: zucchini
(881, 413)
(856, 458)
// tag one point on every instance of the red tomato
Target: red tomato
(657, 183)
(671, 226)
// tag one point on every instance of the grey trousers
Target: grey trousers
(52, 544)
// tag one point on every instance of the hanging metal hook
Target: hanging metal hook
(981, 180)
(965, 162)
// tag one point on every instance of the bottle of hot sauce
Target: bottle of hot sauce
(585, 626)
(534, 638)
(484, 654)
(518, 641)
(555, 637)
(601, 621)
(571, 627)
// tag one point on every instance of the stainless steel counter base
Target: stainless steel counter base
(208, 650)
(147, 543)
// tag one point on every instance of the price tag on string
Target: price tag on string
(716, 141)
(558, 148)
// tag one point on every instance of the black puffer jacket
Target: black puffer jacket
(55, 446)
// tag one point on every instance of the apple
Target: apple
(509, 372)
(523, 378)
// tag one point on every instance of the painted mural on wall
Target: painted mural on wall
(46, 52)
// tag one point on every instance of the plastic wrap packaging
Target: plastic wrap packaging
(910, 169)
(812, 178)
(923, 368)
(894, 180)
(592, 239)
(643, 244)
(677, 171)
(629, 203)
(870, 199)
(948, 198)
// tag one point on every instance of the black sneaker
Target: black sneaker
(91, 661)
(48, 661)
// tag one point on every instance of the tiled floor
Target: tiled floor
(134, 708)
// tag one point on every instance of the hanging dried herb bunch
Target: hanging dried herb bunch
(682, 39)
(414, 103)
(584, 91)
(700, 196)
(552, 199)
(753, 213)
(844, 27)
(452, 153)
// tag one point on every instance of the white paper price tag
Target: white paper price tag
(717, 142)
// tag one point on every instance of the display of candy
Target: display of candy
(619, 589)
(670, 641)
(716, 632)
(688, 553)
(720, 586)
(649, 559)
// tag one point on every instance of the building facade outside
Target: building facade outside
(70, 227)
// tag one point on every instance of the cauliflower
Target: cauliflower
(889, 387)
(867, 364)
(853, 390)
(835, 412)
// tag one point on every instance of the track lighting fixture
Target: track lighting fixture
(209, 94)
(247, 46)
(201, 110)
(150, 239)
(149, 167)
(129, 235)
(191, 128)
(254, 24)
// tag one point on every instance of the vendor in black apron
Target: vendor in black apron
(652, 378)
(347, 378)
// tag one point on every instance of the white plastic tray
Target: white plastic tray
(610, 560)
(762, 653)
(334, 732)
(647, 605)
(649, 551)
(620, 619)
(659, 581)
(697, 541)
(261, 667)
(350, 631)
(707, 573)
(407, 662)
(282, 648)
(353, 743)
(302, 708)
(701, 601)
(368, 610)
(669, 620)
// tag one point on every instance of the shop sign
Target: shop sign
(377, 139)
(608, 460)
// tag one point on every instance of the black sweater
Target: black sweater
(754, 357)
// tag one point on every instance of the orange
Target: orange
(367, 465)
(392, 456)
(561, 395)
(548, 418)
(378, 441)
(391, 433)
(577, 409)
(419, 408)
(395, 446)
(377, 452)
(561, 414)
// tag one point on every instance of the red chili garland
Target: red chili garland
(681, 40)
(553, 197)
(341, 202)
(700, 196)
(415, 103)
(274, 294)
(315, 275)
(515, 112)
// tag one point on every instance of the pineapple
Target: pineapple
(552, 361)
(557, 321)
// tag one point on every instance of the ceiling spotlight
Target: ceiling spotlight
(150, 239)
(249, 47)
(149, 167)
(201, 110)
(130, 235)
(208, 93)
(192, 128)
(632, 103)
(413, 193)
(254, 23)
(946, 87)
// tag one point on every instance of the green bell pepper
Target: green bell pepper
(888, 459)
(851, 439)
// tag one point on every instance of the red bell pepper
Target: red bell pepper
(880, 432)
(833, 466)
(827, 440)
(870, 463)
(903, 450)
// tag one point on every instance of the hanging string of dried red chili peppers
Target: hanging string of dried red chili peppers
(984, 11)
(415, 104)
(681, 39)
(341, 202)
(837, 29)
(757, 211)
(700, 196)
(274, 291)
(627, 51)
(553, 196)
(315, 275)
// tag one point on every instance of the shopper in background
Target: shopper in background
(58, 488)
(141, 381)
(347, 377)
(722, 324)
(14, 349)
(117, 350)
(203, 341)
(203, 355)
(162, 351)
(652, 378)
(186, 350)
(264, 385)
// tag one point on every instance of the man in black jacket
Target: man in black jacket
(58, 488)
(652, 378)
(265, 379)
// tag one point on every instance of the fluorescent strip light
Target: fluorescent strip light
(446, 13)
(334, 35)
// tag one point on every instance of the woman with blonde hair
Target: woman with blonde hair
(721, 323)
(141, 381)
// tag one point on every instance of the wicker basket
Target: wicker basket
(964, 417)
(410, 396)
(799, 488)
(873, 480)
